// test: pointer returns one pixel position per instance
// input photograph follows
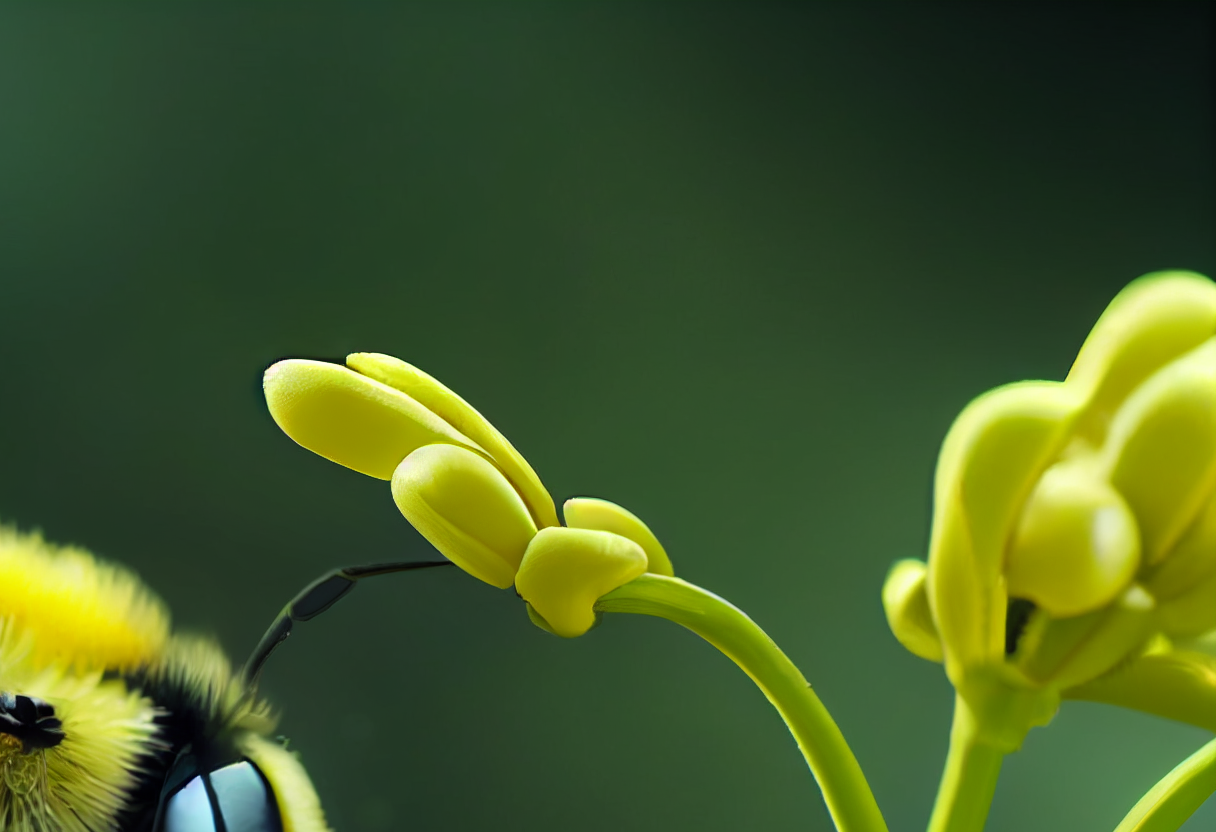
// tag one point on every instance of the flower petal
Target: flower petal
(349, 418)
(1192, 613)
(1161, 449)
(906, 602)
(1069, 651)
(989, 462)
(1192, 560)
(1151, 322)
(466, 508)
(1076, 547)
(601, 515)
(461, 415)
(1178, 684)
(565, 571)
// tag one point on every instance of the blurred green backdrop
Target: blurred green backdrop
(734, 266)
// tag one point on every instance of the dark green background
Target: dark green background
(735, 267)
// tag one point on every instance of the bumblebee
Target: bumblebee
(111, 722)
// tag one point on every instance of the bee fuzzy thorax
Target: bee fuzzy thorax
(106, 717)
(81, 783)
(79, 609)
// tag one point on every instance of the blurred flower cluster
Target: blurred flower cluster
(462, 484)
(1073, 550)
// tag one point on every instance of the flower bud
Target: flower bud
(458, 413)
(988, 465)
(906, 602)
(601, 515)
(1155, 319)
(1193, 559)
(1161, 451)
(351, 419)
(1076, 547)
(1175, 684)
(1093, 503)
(565, 571)
(466, 508)
(1193, 612)
(1064, 652)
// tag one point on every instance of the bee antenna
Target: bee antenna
(313, 600)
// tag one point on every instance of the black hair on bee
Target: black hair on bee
(110, 722)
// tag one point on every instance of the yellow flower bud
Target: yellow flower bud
(1193, 559)
(460, 414)
(1161, 451)
(350, 419)
(565, 571)
(1076, 547)
(1193, 612)
(1064, 652)
(1154, 320)
(601, 515)
(466, 508)
(1176, 684)
(988, 465)
(906, 602)
(1075, 522)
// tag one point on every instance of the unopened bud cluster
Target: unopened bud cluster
(462, 484)
(1075, 522)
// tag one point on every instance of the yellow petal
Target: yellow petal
(601, 515)
(349, 418)
(988, 464)
(1178, 684)
(1193, 612)
(565, 571)
(1069, 651)
(1076, 546)
(1161, 449)
(1190, 561)
(907, 606)
(461, 415)
(1151, 322)
(466, 508)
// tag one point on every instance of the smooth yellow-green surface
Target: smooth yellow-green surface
(1151, 322)
(466, 508)
(906, 602)
(1076, 546)
(565, 571)
(1176, 797)
(349, 418)
(450, 407)
(1161, 451)
(605, 516)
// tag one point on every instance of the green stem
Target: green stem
(969, 779)
(845, 790)
(1176, 797)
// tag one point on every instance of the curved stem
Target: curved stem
(1176, 797)
(969, 779)
(845, 790)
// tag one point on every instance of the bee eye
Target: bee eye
(235, 798)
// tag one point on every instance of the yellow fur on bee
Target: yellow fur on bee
(297, 799)
(77, 610)
(81, 784)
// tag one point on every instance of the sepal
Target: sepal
(565, 571)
